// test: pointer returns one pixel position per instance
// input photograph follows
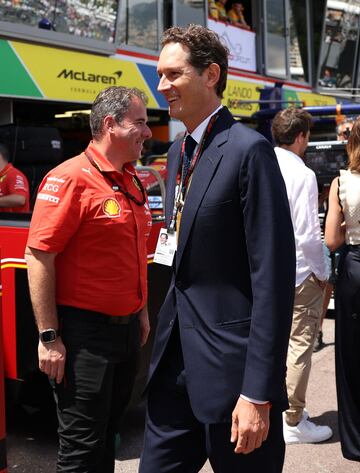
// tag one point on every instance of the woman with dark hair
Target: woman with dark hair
(343, 225)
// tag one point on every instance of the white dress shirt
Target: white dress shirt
(197, 134)
(302, 191)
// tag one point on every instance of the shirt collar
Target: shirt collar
(6, 168)
(104, 164)
(200, 129)
(284, 151)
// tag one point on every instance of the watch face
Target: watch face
(48, 335)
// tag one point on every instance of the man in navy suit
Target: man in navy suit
(217, 378)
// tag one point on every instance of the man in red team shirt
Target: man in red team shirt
(14, 187)
(87, 267)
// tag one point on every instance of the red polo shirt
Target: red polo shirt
(99, 235)
(13, 181)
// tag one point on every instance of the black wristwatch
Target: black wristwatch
(48, 336)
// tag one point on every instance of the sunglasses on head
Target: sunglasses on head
(345, 133)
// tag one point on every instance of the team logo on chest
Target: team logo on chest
(111, 208)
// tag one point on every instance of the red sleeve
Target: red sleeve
(17, 183)
(57, 213)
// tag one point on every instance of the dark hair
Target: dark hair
(353, 147)
(114, 101)
(205, 48)
(288, 123)
(4, 152)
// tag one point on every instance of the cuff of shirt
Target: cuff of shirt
(254, 401)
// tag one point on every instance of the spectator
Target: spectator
(343, 226)
(221, 7)
(344, 128)
(14, 187)
(236, 15)
(213, 10)
(343, 131)
(291, 131)
(328, 80)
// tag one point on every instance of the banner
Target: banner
(34, 71)
(241, 44)
(75, 76)
(308, 99)
(237, 95)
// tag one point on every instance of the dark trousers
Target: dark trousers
(175, 441)
(347, 352)
(101, 364)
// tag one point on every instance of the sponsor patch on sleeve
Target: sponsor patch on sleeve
(48, 198)
(20, 183)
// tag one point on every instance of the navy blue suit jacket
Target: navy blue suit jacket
(234, 275)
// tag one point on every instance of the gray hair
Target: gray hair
(113, 101)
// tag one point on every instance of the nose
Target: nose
(147, 133)
(164, 84)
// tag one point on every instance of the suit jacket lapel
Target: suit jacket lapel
(202, 176)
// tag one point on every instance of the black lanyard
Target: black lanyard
(116, 187)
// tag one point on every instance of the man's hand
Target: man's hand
(322, 284)
(250, 425)
(52, 359)
(144, 325)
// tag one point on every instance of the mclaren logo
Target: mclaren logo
(111, 208)
(89, 77)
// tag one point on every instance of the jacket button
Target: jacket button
(179, 284)
(354, 316)
(171, 323)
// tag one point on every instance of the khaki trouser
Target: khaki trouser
(305, 325)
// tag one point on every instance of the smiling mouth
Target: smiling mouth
(171, 100)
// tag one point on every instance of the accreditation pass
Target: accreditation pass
(165, 248)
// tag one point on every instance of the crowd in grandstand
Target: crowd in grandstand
(228, 12)
(93, 19)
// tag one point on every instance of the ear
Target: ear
(108, 124)
(213, 74)
(299, 137)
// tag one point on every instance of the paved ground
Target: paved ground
(32, 440)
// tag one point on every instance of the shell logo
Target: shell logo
(111, 208)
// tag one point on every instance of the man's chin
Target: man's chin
(174, 112)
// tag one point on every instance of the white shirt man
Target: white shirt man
(291, 131)
(302, 190)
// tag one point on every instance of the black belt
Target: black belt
(90, 315)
